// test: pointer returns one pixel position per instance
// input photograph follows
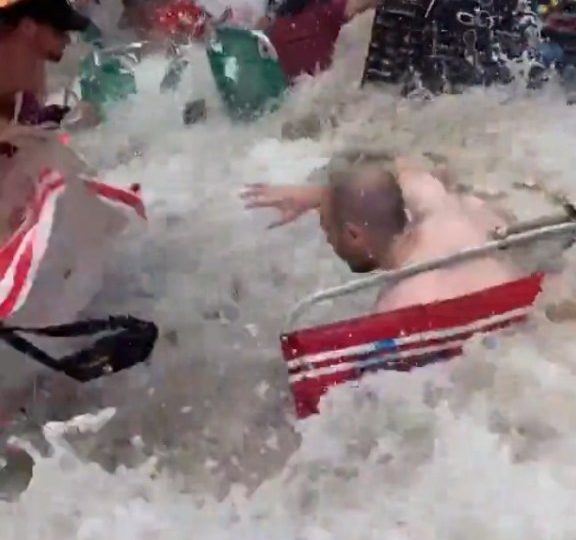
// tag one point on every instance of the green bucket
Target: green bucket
(246, 71)
(105, 79)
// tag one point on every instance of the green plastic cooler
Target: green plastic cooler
(247, 72)
(105, 79)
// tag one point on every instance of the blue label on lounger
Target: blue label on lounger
(377, 358)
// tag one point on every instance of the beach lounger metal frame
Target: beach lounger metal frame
(562, 224)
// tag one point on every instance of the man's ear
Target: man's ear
(354, 232)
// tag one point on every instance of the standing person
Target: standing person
(304, 32)
(32, 32)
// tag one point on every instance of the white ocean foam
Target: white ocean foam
(203, 443)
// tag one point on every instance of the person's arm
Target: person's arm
(290, 201)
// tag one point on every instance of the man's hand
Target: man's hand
(290, 201)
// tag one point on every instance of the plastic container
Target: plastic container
(105, 79)
(246, 70)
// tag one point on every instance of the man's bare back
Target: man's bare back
(446, 223)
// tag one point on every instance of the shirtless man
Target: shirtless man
(374, 219)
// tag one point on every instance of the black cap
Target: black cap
(59, 14)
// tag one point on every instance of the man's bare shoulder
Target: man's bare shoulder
(417, 290)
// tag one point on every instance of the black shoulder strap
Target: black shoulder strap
(128, 341)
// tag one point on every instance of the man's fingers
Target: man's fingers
(246, 195)
(250, 191)
(256, 187)
(265, 201)
(280, 222)
(250, 195)
(254, 191)
(286, 217)
(276, 224)
(259, 203)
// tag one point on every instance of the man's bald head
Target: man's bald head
(363, 212)
(367, 193)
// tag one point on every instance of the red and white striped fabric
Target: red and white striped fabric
(22, 253)
(321, 357)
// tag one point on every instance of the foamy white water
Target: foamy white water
(203, 443)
